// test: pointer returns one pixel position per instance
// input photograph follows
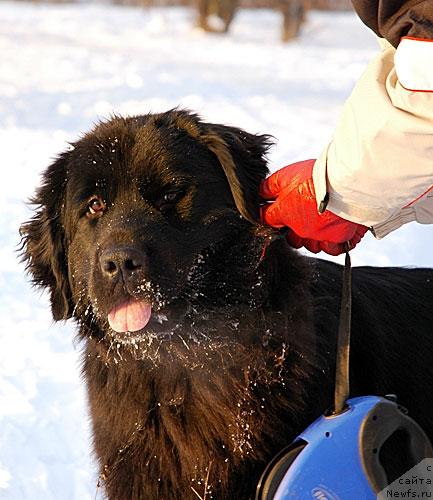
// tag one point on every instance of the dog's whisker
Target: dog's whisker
(183, 341)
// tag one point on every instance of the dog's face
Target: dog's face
(147, 226)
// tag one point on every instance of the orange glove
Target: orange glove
(294, 205)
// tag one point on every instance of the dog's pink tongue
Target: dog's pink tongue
(130, 316)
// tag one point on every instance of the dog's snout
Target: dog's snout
(122, 261)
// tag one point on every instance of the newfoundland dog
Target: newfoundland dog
(208, 342)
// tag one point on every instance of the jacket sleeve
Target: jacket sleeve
(394, 19)
(378, 168)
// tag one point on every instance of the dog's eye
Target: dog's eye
(95, 206)
(168, 199)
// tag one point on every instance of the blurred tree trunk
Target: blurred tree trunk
(293, 12)
(224, 9)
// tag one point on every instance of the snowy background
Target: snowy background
(62, 67)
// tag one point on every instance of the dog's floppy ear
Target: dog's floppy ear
(241, 155)
(243, 159)
(43, 240)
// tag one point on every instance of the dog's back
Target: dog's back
(392, 332)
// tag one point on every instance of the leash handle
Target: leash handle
(342, 381)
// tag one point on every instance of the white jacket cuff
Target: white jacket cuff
(319, 181)
(414, 64)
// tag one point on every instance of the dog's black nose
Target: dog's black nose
(122, 261)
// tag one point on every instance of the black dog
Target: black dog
(209, 344)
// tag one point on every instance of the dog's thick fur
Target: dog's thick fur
(239, 354)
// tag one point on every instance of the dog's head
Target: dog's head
(147, 218)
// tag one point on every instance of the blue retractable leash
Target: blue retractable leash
(344, 454)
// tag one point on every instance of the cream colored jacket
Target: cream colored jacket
(378, 169)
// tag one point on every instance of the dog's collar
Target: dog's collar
(276, 235)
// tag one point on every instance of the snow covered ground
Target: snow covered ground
(62, 67)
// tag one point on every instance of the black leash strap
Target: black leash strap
(342, 384)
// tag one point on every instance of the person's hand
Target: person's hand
(291, 190)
